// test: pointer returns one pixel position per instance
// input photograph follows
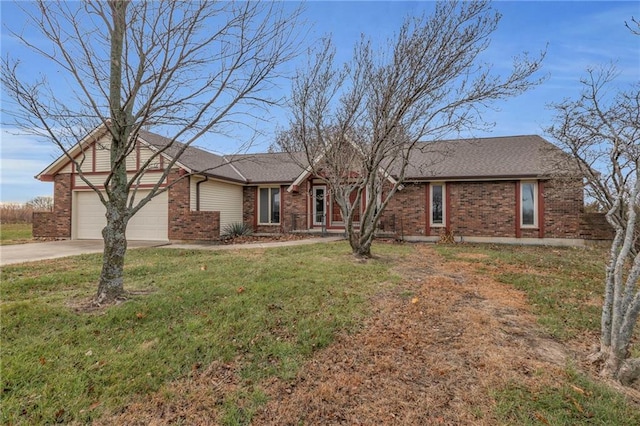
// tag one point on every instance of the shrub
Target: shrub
(236, 229)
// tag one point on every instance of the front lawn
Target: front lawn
(213, 333)
(266, 310)
(15, 233)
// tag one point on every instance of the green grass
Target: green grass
(270, 310)
(575, 400)
(15, 233)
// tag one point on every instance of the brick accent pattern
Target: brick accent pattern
(488, 209)
(249, 213)
(56, 224)
(185, 224)
(294, 209)
(482, 209)
(594, 226)
(406, 212)
(564, 208)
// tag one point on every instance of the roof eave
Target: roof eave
(47, 174)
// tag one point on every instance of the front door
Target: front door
(319, 213)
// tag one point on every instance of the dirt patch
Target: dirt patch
(428, 358)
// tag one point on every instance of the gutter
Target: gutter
(206, 178)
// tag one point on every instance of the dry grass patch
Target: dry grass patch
(432, 353)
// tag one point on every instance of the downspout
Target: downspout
(206, 178)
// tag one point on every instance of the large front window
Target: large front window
(437, 204)
(528, 204)
(269, 206)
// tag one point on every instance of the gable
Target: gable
(93, 155)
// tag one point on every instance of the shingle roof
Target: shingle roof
(196, 159)
(268, 167)
(497, 157)
(482, 158)
(247, 168)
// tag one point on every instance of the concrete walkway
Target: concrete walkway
(207, 246)
(31, 252)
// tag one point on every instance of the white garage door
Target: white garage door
(150, 223)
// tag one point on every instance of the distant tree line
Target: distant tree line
(23, 212)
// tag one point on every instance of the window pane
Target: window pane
(528, 204)
(319, 199)
(264, 205)
(275, 205)
(436, 204)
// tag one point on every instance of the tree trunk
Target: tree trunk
(361, 248)
(612, 362)
(111, 286)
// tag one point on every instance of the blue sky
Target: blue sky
(577, 35)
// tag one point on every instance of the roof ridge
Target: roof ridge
(234, 168)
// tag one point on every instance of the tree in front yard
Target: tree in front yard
(601, 131)
(189, 67)
(358, 124)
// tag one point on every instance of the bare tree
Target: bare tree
(358, 124)
(601, 131)
(41, 204)
(190, 67)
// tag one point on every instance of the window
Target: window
(269, 206)
(529, 204)
(437, 204)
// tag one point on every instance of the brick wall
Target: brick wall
(594, 226)
(294, 210)
(56, 224)
(291, 204)
(564, 208)
(483, 209)
(406, 211)
(488, 209)
(249, 213)
(185, 224)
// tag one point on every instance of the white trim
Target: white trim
(164, 154)
(314, 222)
(534, 225)
(305, 174)
(269, 205)
(63, 160)
(444, 205)
(235, 169)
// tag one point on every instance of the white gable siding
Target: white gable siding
(132, 164)
(86, 162)
(218, 196)
(103, 155)
(145, 154)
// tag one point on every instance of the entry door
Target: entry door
(319, 205)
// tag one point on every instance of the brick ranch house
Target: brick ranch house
(484, 190)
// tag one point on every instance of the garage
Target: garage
(150, 223)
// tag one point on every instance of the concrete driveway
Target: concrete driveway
(19, 253)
